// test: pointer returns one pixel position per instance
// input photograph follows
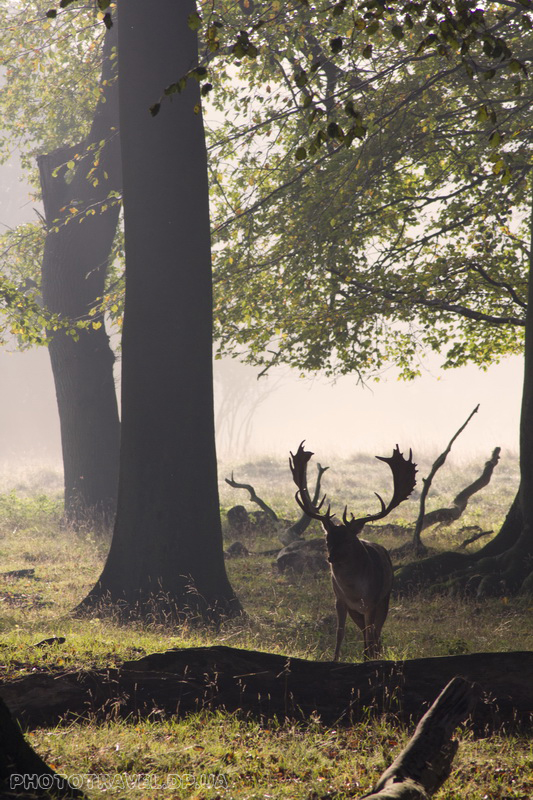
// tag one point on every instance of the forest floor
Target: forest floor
(220, 755)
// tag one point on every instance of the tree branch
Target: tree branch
(427, 483)
(425, 764)
(445, 516)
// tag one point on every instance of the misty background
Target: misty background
(270, 416)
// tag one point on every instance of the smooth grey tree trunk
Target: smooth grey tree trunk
(166, 555)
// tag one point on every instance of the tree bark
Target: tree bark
(425, 764)
(75, 261)
(270, 686)
(23, 773)
(445, 516)
(166, 558)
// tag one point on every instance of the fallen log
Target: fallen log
(266, 685)
(416, 774)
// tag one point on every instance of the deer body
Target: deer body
(361, 571)
(362, 576)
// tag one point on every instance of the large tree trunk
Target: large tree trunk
(74, 269)
(166, 555)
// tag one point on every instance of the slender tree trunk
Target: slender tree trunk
(74, 269)
(166, 555)
(525, 542)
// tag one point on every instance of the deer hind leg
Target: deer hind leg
(359, 620)
(342, 610)
(373, 628)
(371, 638)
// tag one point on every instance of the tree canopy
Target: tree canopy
(369, 177)
(374, 192)
(50, 91)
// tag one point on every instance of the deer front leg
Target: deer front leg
(342, 610)
(379, 619)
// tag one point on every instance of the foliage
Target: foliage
(400, 225)
(52, 66)
(369, 178)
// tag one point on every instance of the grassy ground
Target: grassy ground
(220, 755)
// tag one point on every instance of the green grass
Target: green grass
(220, 755)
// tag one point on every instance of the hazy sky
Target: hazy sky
(423, 414)
(335, 419)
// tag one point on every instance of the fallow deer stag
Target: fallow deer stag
(361, 571)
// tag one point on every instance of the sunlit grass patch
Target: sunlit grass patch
(285, 613)
(222, 755)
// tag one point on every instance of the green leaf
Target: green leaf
(429, 40)
(301, 78)
(338, 9)
(301, 153)
(336, 44)
(397, 32)
(198, 73)
(495, 139)
(506, 177)
(194, 21)
(367, 51)
(178, 87)
(52, 14)
(335, 131)
(154, 110)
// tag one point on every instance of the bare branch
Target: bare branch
(445, 516)
(427, 483)
(253, 497)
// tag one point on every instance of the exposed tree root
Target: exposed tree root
(507, 573)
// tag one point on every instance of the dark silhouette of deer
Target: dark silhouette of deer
(361, 571)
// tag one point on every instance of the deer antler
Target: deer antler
(404, 476)
(403, 471)
(298, 464)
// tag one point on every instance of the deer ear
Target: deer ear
(355, 526)
(328, 525)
